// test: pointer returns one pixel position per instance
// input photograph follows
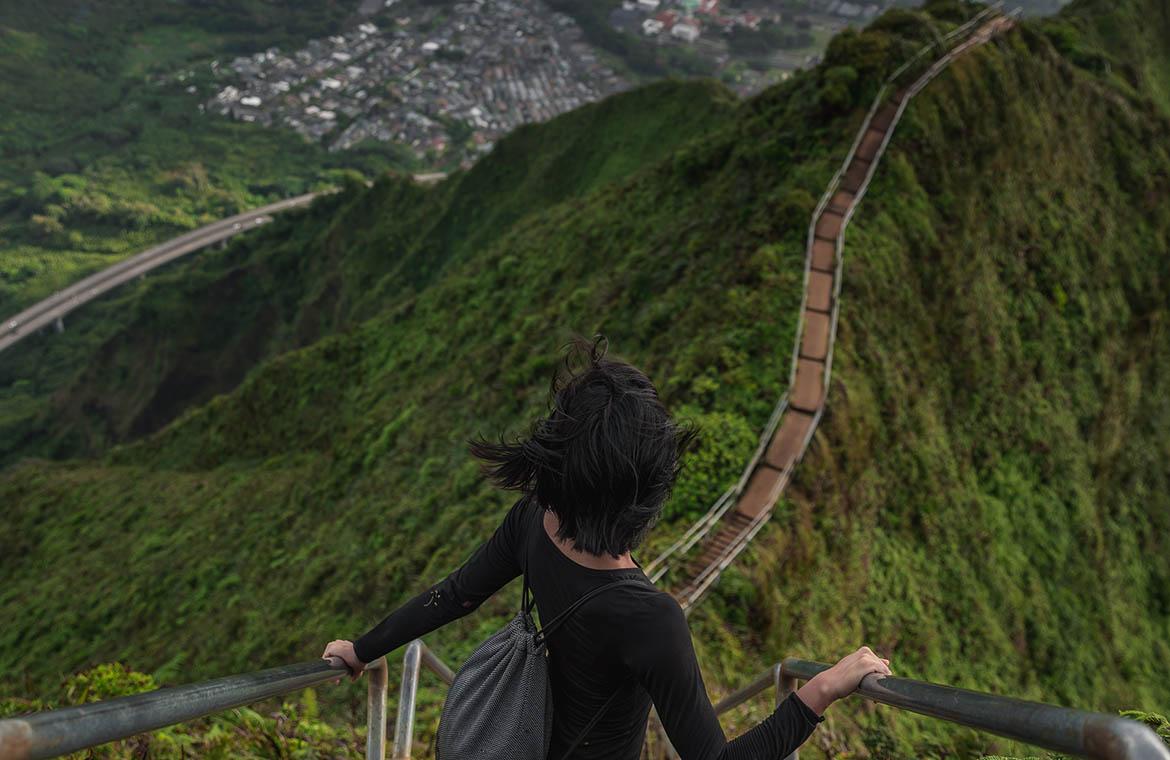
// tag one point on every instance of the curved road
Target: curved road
(42, 314)
(62, 302)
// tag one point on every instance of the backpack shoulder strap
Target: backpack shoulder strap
(551, 625)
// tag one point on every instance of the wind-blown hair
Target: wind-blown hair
(604, 459)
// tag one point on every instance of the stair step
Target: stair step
(855, 175)
(870, 144)
(829, 225)
(814, 344)
(820, 291)
(841, 202)
(808, 391)
(824, 255)
(786, 444)
(884, 117)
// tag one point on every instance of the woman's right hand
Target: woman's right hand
(343, 650)
(842, 679)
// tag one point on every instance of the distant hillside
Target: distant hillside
(102, 153)
(987, 499)
(130, 364)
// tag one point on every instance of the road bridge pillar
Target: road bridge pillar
(59, 325)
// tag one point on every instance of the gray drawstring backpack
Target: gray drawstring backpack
(500, 705)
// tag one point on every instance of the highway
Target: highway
(56, 306)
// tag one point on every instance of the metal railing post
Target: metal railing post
(404, 725)
(378, 676)
(785, 685)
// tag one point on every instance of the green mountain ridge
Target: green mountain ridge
(986, 498)
(155, 349)
(988, 488)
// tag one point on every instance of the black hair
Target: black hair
(604, 459)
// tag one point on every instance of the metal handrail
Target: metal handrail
(946, 38)
(57, 732)
(1059, 729)
(658, 568)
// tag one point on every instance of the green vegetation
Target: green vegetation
(768, 37)
(643, 58)
(987, 497)
(130, 364)
(593, 18)
(103, 152)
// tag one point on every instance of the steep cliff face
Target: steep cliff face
(987, 498)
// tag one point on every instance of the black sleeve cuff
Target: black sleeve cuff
(364, 649)
(806, 711)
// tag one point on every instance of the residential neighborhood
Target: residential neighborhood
(690, 20)
(445, 81)
(445, 84)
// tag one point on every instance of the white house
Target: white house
(651, 27)
(685, 31)
(649, 6)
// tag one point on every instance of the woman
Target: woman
(593, 477)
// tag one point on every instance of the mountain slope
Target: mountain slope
(988, 492)
(128, 365)
(322, 434)
(1010, 256)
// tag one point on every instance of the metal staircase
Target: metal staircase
(739, 514)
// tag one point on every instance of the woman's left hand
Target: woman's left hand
(344, 650)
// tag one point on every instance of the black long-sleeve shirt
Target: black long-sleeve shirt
(631, 630)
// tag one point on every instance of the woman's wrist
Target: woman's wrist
(815, 694)
(358, 651)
